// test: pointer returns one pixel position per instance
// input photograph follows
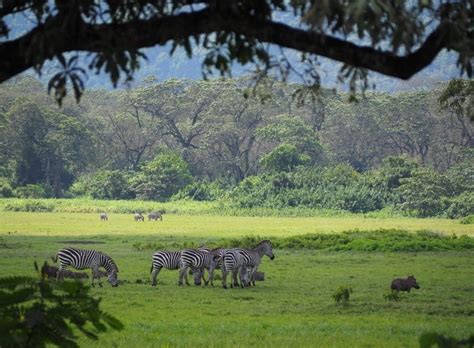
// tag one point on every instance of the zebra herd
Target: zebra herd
(241, 263)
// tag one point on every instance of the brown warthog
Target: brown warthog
(48, 271)
(401, 284)
(155, 216)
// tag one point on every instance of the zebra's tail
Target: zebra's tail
(151, 269)
(54, 258)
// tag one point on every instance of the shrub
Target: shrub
(30, 206)
(459, 206)
(200, 191)
(5, 188)
(468, 220)
(37, 312)
(30, 191)
(342, 295)
(284, 157)
(162, 177)
(105, 184)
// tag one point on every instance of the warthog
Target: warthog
(48, 271)
(155, 216)
(259, 276)
(138, 217)
(401, 284)
(104, 217)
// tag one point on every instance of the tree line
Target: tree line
(230, 139)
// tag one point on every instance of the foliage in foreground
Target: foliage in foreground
(37, 312)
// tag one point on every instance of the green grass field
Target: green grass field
(292, 307)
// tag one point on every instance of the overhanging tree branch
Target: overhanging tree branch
(63, 35)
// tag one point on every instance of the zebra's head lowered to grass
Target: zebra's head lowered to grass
(265, 248)
(111, 268)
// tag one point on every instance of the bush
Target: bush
(468, 220)
(161, 178)
(30, 191)
(36, 312)
(30, 206)
(459, 206)
(342, 295)
(200, 191)
(105, 184)
(6, 190)
(284, 157)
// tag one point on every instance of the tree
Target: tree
(162, 177)
(284, 157)
(234, 32)
(47, 147)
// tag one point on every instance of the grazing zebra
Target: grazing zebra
(155, 216)
(103, 217)
(197, 260)
(170, 260)
(253, 257)
(138, 217)
(233, 261)
(82, 259)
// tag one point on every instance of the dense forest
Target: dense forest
(274, 145)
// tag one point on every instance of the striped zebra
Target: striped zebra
(170, 260)
(197, 260)
(233, 261)
(253, 257)
(82, 259)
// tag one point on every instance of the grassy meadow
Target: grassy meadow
(292, 307)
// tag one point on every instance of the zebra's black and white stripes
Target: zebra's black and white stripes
(164, 259)
(197, 260)
(253, 257)
(232, 261)
(82, 259)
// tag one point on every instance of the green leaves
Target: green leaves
(37, 312)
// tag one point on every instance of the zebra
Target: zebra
(233, 261)
(170, 260)
(82, 259)
(104, 217)
(253, 257)
(197, 260)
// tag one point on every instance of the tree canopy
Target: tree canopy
(395, 38)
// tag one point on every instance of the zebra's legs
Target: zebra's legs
(224, 277)
(96, 274)
(182, 274)
(251, 275)
(154, 274)
(234, 278)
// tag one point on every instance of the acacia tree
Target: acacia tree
(395, 38)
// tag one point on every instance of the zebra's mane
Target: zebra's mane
(263, 242)
(111, 261)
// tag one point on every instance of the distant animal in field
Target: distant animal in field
(82, 259)
(138, 217)
(407, 284)
(155, 216)
(104, 217)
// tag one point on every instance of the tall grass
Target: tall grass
(181, 207)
